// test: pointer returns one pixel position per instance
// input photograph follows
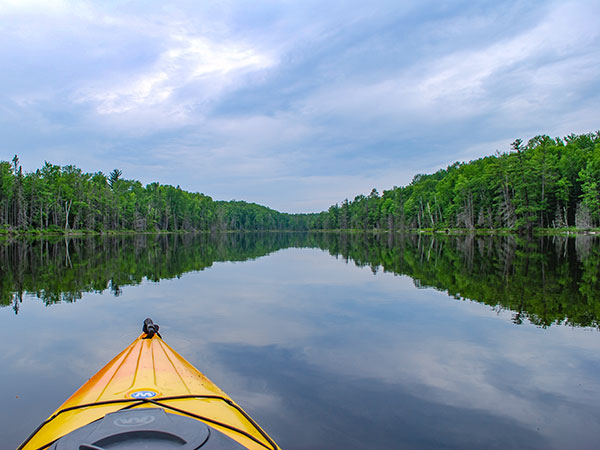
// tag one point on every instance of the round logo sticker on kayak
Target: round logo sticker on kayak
(140, 395)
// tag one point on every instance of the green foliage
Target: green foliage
(58, 199)
(547, 183)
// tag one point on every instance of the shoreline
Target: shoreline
(427, 231)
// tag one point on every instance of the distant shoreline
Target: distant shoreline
(427, 231)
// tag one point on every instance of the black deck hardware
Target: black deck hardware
(150, 328)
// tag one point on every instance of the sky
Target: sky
(295, 105)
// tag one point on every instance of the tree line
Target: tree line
(545, 183)
(63, 199)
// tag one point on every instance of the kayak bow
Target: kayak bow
(149, 397)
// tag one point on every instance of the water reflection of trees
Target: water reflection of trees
(61, 270)
(545, 280)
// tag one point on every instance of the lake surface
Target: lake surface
(329, 341)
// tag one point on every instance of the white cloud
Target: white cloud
(199, 64)
(461, 85)
(33, 6)
(320, 105)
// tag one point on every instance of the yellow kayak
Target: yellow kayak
(149, 397)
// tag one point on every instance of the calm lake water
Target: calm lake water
(329, 341)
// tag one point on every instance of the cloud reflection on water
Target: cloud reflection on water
(326, 355)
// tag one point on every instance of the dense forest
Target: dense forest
(544, 280)
(59, 199)
(545, 183)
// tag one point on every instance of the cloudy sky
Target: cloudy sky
(292, 104)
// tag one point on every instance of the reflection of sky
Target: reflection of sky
(323, 355)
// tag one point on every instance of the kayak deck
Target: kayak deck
(149, 374)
